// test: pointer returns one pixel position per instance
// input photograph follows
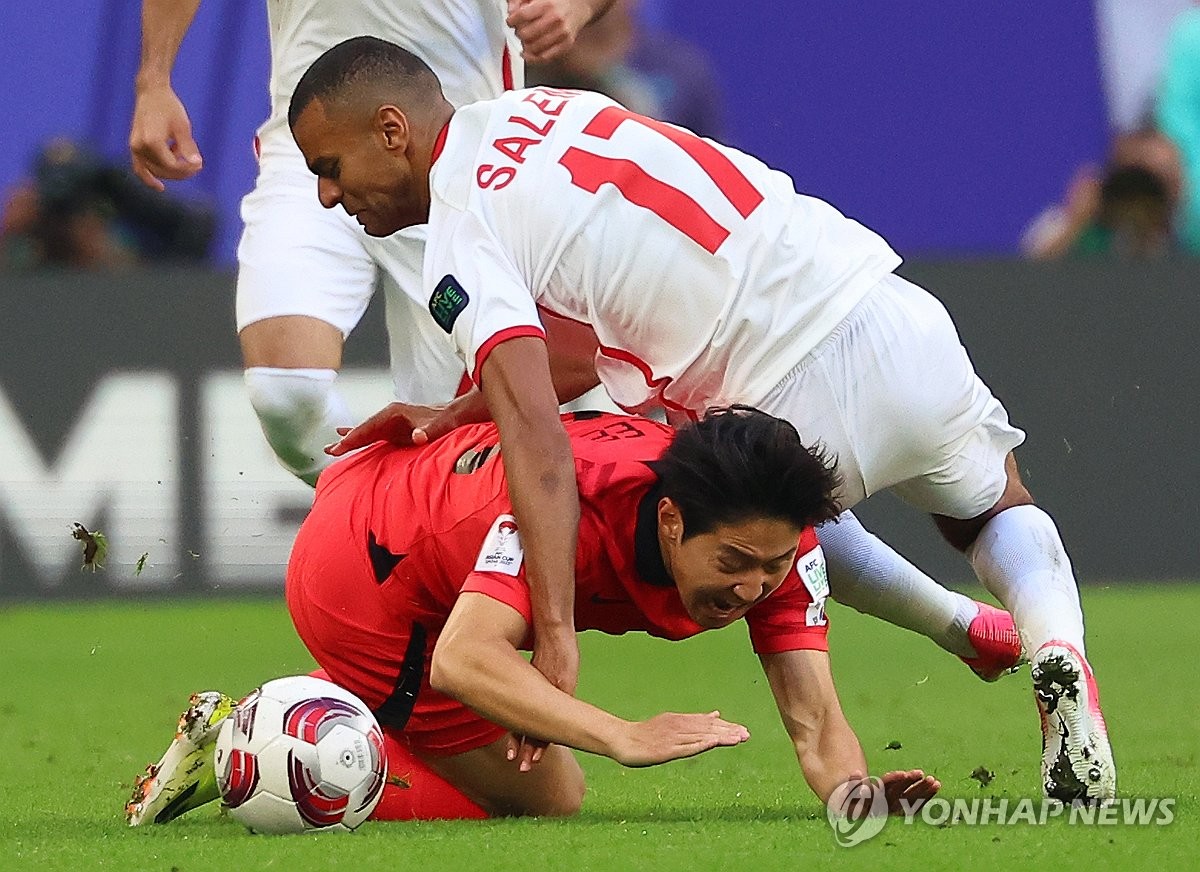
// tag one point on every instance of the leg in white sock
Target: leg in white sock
(866, 574)
(1020, 558)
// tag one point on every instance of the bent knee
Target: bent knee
(961, 533)
(564, 799)
(558, 791)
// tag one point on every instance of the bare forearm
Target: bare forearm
(470, 408)
(164, 24)
(828, 750)
(572, 380)
(540, 469)
(541, 479)
(571, 347)
(494, 680)
(833, 758)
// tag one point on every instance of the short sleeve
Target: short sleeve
(499, 570)
(511, 590)
(476, 294)
(793, 617)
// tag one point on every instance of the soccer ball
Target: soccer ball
(300, 754)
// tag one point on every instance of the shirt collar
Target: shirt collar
(647, 553)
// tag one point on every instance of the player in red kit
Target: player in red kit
(407, 583)
(707, 280)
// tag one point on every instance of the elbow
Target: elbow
(447, 669)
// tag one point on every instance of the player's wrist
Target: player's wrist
(554, 617)
(617, 737)
(149, 80)
(557, 624)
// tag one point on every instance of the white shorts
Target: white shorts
(298, 258)
(892, 394)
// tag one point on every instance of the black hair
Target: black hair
(739, 463)
(1134, 183)
(357, 62)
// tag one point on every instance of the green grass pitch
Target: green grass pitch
(91, 691)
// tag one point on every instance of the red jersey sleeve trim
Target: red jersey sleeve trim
(809, 639)
(511, 591)
(439, 144)
(506, 69)
(495, 339)
(656, 385)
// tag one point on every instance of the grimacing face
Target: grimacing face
(722, 573)
(361, 163)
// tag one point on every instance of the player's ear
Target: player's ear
(392, 124)
(670, 520)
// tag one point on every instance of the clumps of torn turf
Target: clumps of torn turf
(95, 546)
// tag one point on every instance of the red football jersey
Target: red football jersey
(437, 520)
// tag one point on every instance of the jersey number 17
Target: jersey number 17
(589, 171)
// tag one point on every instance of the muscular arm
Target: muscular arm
(571, 347)
(572, 352)
(540, 469)
(164, 24)
(160, 137)
(476, 661)
(828, 750)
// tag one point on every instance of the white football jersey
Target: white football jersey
(466, 42)
(706, 277)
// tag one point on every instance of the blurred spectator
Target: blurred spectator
(1127, 209)
(78, 211)
(1133, 36)
(1178, 115)
(649, 71)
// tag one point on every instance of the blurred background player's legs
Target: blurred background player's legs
(304, 281)
(306, 275)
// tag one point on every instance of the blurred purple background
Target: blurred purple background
(944, 126)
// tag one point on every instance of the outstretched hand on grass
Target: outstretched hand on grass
(672, 736)
(903, 791)
(909, 789)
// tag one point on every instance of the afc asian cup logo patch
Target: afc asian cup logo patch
(813, 572)
(447, 303)
(501, 550)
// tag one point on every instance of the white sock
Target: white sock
(1020, 559)
(299, 410)
(866, 574)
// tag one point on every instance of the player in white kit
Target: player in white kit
(707, 280)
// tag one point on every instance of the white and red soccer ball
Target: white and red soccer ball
(300, 754)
